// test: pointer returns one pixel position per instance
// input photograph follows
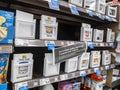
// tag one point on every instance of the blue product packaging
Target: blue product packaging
(4, 60)
(6, 27)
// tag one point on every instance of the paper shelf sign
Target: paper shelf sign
(62, 54)
(74, 9)
(54, 4)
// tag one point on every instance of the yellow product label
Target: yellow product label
(24, 56)
(2, 20)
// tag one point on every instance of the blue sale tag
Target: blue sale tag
(113, 46)
(97, 72)
(90, 13)
(109, 19)
(84, 75)
(100, 16)
(74, 10)
(23, 88)
(91, 46)
(50, 46)
(54, 4)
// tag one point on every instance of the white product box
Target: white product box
(71, 64)
(83, 61)
(48, 28)
(112, 11)
(24, 25)
(116, 72)
(50, 69)
(86, 32)
(22, 67)
(90, 4)
(98, 35)
(110, 35)
(76, 2)
(101, 6)
(97, 85)
(106, 57)
(95, 59)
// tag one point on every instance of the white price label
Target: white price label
(56, 78)
(113, 65)
(49, 42)
(44, 81)
(101, 44)
(70, 43)
(113, 19)
(63, 77)
(36, 83)
(73, 74)
(62, 43)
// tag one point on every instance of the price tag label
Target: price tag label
(82, 73)
(91, 46)
(62, 43)
(64, 77)
(70, 43)
(101, 44)
(109, 19)
(90, 13)
(107, 67)
(50, 44)
(113, 65)
(73, 74)
(100, 16)
(44, 81)
(113, 19)
(36, 83)
(21, 86)
(54, 4)
(56, 79)
(73, 9)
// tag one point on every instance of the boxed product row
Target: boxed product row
(22, 64)
(90, 82)
(99, 6)
(49, 29)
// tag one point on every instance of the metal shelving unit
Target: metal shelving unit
(47, 80)
(43, 43)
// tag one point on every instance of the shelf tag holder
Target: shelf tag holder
(90, 13)
(73, 9)
(54, 4)
(91, 46)
(109, 19)
(100, 16)
(83, 73)
(107, 67)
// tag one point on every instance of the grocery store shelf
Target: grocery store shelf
(39, 7)
(43, 43)
(47, 80)
(6, 48)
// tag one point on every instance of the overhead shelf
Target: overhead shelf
(6, 49)
(43, 43)
(39, 7)
(66, 76)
